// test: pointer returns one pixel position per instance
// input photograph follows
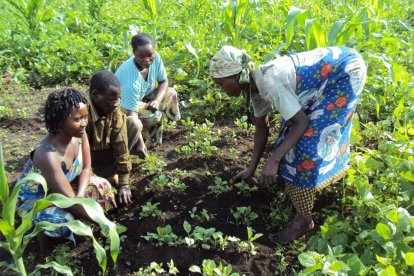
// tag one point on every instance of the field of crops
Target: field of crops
(187, 216)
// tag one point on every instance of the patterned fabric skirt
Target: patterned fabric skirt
(328, 91)
(98, 189)
(303, 199)
(152, 121)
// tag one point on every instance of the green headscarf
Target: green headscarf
(229, 61)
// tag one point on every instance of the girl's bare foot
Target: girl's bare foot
(298, 227)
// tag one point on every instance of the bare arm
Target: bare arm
(260, 140)
(300, 123)
(83, 178)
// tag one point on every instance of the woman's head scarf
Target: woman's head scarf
(229, 61)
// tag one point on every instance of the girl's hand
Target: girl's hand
(269, 172)
(244, 175)
(153, 105)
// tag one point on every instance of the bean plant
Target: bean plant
(200, 140)
(150, 210)
(209, 267)
(244, 215)
(201, 216)
(220, 186)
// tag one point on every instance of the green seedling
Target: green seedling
(220, 186)
(244, 215)
(150, 210)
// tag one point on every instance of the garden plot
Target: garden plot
(186, 210)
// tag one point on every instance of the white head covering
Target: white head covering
(229, 61)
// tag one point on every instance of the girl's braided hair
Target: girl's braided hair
(59, 105)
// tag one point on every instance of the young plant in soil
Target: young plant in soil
(164, 235)
(200, 236)
(200, 140)
(150, 210)
(243, 125)
(247, 246)
(220, 186)
(154, 164)
(245, 189)
(163, 182)
(244, 215)
(202, 216)
(158, 269)
(210, 268)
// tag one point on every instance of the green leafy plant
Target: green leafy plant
(33, 13)
(247, 246)
(244, 188)
(209, 267)
(150, 210)
(244, 215)
(164, 235)
(157, 269)
(95, 8)
(200, 140)
(201, 216)
(232, 18)
(17, 237)
(220, 186)
(153, 164)
(243, 124)
(163, 182)
(201, 236)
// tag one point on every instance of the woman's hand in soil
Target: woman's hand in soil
(244, 175)
(269, 172)
(124, 195)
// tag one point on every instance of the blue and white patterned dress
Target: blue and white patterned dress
(327, 88)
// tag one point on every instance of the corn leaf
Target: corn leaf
(4, 186)
(63, 269)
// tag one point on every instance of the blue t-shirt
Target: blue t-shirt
(133, 86)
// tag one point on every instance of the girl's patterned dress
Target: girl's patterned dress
(99, 189)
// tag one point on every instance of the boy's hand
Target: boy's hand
(124, 194)
(153, 105)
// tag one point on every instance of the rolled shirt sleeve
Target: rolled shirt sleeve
(276, 82)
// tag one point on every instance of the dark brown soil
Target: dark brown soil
(19, 135)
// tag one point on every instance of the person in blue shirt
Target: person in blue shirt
(145, 92)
